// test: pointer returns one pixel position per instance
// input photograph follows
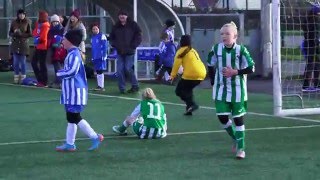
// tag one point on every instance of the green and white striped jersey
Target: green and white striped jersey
(152, 118)
(232, 89)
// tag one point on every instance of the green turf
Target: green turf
(34, 114)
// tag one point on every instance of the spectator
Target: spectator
(125, 37)
(311, 47)
(63, 20)
(40, 34)
(20, 32)
(73, 23)
(99, 47)
(194, 72)
(166, 58)
(58, 53)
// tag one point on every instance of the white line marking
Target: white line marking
(169, 134)
(175, 104)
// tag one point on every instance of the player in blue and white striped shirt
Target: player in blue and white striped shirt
(75, 93)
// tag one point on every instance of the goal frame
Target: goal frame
(276, 63)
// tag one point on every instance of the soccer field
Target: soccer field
(33, 123)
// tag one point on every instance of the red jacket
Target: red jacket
(42, 34)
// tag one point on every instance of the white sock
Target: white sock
(86, 129)
(166, 76)
(125, 124)
(100, 80)
(71, 133)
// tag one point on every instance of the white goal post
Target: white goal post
(288, 70)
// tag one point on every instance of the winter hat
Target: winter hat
(185, 40)
(54, 18)
(43, 16)
(122, 12)
(170, 23)
(76, 13)
(74, 36)
(21, 11)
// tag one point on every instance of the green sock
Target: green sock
(122, 128)
(240, 140)
(230, 130)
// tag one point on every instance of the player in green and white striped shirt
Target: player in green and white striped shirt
(228, 65)
(148, 118)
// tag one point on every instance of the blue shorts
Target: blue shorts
(74, 108)
(99, 64)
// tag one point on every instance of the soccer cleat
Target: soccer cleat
(66, 148)
(193, 108)
(240, 154)
(116, 129)
(96, 142)
(133, 90)
(98, 88)
(188, 114)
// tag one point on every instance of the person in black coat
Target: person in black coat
(125, 37)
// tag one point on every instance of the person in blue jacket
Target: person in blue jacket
(99, 47)
(166, 57)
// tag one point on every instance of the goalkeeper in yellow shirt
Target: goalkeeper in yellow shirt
(194, 72)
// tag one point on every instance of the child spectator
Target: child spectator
(99, 47)
(166, 58)
(58, 53)
(75, 93)
(148, 119)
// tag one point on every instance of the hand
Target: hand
(229, 72)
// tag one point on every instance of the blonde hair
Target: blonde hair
(148, 94)
(232, 25)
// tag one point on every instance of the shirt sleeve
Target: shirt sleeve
(246, 60)
(212, 59)
(71, 69)
(176, 64)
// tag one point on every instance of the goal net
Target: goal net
(295, 56)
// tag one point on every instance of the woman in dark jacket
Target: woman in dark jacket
(20, 32)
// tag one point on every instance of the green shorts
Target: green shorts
(148, 133)
(236, 109)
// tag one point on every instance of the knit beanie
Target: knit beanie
(76, 13)
(169, 23)
(54, 18)
(122, 12)
(21, 11)
(74, 36)
(43, 16)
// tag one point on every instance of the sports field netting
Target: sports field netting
(33, 123)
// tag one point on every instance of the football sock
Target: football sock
(86, 129)
(124, 126)
(230, 129)
(71, 133)
(100, 80)
(240, 135)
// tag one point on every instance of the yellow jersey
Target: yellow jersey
(193, 67)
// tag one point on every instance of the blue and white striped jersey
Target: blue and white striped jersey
(74, 80)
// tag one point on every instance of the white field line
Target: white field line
(169, 134)
(175, 104)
